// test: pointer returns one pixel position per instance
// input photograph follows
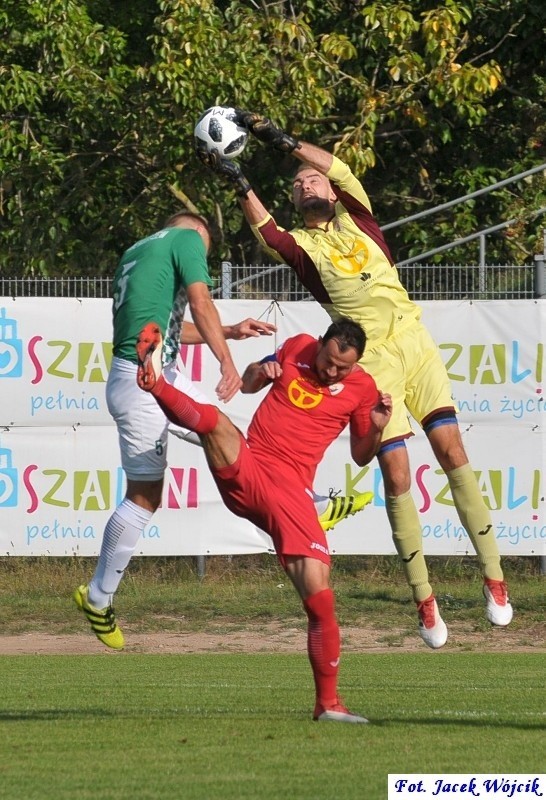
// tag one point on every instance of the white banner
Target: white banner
(60, 477)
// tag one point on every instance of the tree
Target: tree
(427, 101)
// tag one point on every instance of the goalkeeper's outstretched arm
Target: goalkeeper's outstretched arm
(314, 156)
(266, 131)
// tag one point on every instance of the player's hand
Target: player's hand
(232, 172)
(226, 169)
(381, 414)
(250, 327)
(210, 158)
(271, 370)
(266, 131)
(230, 383)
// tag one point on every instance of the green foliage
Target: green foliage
(63, 106)
(425, 100)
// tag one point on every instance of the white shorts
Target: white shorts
(142, 425)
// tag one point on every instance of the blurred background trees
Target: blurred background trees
(427, 101)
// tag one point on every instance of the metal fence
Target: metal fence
(424, 282)
(55, 287)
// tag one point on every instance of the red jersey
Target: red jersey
(300, 417)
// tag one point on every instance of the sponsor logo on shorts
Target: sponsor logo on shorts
(317, 546)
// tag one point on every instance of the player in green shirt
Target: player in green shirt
(157, 278)
(159, 275)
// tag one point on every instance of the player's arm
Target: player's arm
(364, 447)
(245, 329)
(276, 241)
(253, 208)
(350, 192)
(207, 322)
(266, 131)
(260, 373)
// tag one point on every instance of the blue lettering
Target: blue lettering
(61, 402)
(517, 376)
(511, 501)
(58, 531)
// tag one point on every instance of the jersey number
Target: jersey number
(121, 288)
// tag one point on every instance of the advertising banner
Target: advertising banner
(60, 477)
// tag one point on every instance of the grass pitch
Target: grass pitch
(232, 727)
(114, 726)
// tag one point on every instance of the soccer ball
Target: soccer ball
(216, 129)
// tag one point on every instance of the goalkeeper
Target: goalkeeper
(341, 257)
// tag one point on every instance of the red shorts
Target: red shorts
(277, 502)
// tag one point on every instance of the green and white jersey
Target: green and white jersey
(150, 286)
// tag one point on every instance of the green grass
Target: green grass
(166, 594)
(113, 726)
(238, 726)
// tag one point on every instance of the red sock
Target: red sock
(182, 410)
(323, 645)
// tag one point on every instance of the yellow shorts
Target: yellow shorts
(409, 367)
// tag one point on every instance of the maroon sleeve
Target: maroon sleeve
(363, 219)
(296, 257)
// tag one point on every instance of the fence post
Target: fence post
(540, 276)
(482, 281)
(226, 280)
(200, 564)
(540, 270)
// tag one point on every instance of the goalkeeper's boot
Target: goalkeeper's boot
(335, 713)
(149, 346)
(340, 507)
(102, 621)
(498, 609)
(432, 628)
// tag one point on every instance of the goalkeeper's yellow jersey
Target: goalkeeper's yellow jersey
(345, 263)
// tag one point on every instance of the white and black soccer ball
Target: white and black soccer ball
(216, 129)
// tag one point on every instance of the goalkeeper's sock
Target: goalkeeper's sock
(183, 410)
(323, 644)
(408, 540)
(476, 518)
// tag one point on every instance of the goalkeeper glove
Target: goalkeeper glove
(226, 169)
(264, 130)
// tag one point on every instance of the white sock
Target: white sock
(321, 503)
(122, 532)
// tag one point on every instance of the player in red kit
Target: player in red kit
(316, 390)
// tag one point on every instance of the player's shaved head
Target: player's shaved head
(187, 219)
(183, 219)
